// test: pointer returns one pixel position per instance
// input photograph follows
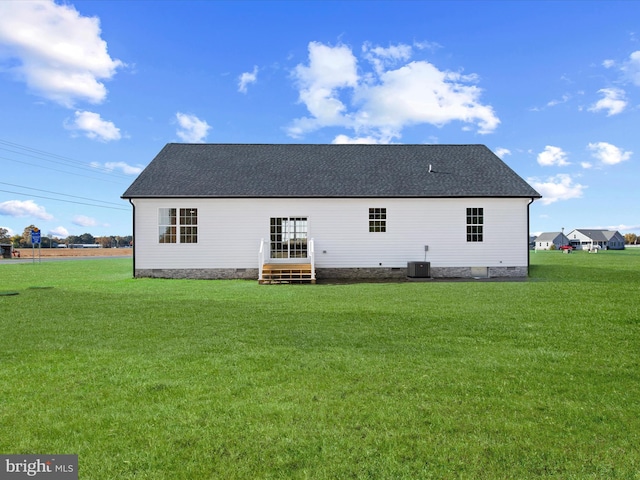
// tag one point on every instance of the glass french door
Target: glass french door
(289, 237)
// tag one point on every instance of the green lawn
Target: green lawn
(181, 379)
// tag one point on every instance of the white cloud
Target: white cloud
(59, 232)
(431, 46)
(84, 221)
(383, 102)
(631, 68)
(60, 54)
(124, 167)
(329, 68)
(191, 128)
(613, 101)
(608, 154)
(608, 63)
(502, 152)
(420, 93)
(586, 165)
(371, 140)
(559, 187)
(624, 228)
(564, 99)
(247, 78)
(381, 57)
(552, 156)
(27, 208)
(94, 127)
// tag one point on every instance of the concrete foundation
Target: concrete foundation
(356, 274)
(200, 273)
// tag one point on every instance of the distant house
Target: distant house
(585, 239)
(329, 211)
(6, 250)
(550, 241)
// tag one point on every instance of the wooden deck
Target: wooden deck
(287, 273)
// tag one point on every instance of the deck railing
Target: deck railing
(312, 257)
(260, 259)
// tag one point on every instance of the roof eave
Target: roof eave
(322, 196)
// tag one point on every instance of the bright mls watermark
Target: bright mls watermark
(49, 467)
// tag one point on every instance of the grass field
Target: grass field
(181, 379)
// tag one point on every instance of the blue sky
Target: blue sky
(90, 91)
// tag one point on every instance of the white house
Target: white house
(550, 240)
(329, 211)
(586, 239)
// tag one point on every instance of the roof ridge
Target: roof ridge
(337, 144)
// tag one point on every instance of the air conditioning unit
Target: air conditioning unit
(419, 269)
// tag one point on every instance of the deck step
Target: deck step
(287, 273)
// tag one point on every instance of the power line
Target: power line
(65, 201)
(57, 193)
(83, 166)
(80, 166)
(46, 154)
(59, 159)
(24, 147)
(63, 161)
(61, 171)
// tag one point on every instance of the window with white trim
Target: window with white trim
(475, 224)
(178, 225)
(377, 219)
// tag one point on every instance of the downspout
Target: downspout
(528, 235)
(134, 237)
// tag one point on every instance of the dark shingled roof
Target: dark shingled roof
(300, 170)
(597, 235)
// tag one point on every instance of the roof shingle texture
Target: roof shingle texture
(548, 236)
(597, 235)
(303, 170)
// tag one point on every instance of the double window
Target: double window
(178, 225)
(377, 219)
(475, 224)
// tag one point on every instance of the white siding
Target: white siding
(230, 230)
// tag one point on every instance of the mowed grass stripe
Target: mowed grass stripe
(149, 378)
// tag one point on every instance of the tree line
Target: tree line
(24, 240)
